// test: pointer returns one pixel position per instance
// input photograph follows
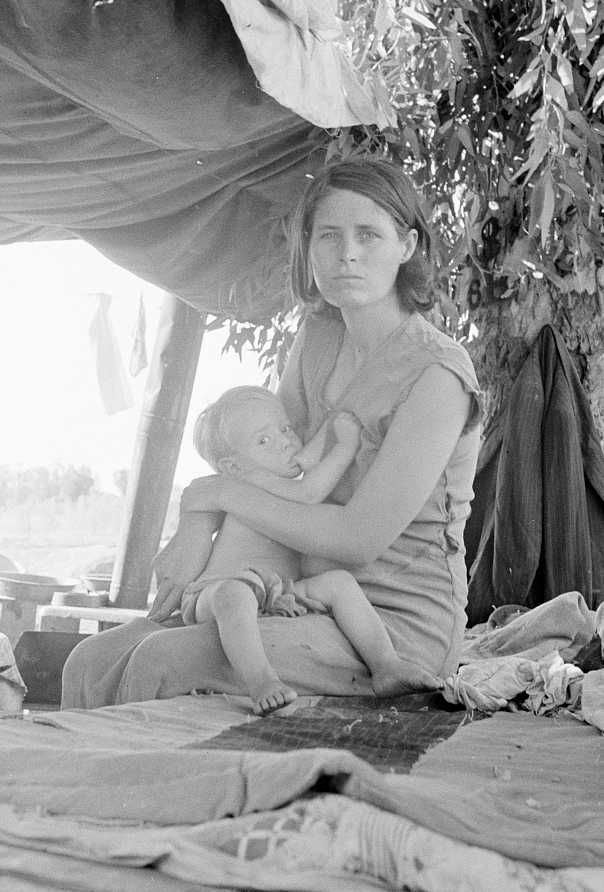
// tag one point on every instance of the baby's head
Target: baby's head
(245, 429)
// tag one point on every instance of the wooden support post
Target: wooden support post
(167, 396)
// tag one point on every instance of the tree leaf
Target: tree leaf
(597, 69)
(411, 136)
(565, 73)
(418, 18)
(554, 90)
(577, 25)
(536, 205)
(525, 84)
(539, 149)
(465, 138)
(384, 18)
(598, 98)
(547, 208)
(462, 286)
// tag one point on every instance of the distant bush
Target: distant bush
(19, 486)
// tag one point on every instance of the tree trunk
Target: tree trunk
(508, 327)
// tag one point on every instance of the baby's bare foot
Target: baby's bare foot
(403, 677)
(271, 695)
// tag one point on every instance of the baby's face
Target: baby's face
(263, 437)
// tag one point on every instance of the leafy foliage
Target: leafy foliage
(498, 110)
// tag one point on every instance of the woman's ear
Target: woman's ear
(408, 245)
(229, 465)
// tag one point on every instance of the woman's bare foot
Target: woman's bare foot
(403, 677)
(270, 695)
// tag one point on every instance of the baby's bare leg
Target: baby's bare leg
(235, 609)
(355, 616)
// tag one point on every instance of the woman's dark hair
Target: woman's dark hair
(385, 184)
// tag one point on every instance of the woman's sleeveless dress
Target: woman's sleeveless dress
(420, 583)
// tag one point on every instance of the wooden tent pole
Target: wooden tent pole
(167, 396)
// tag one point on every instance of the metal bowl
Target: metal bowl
(97, 582)
(33, 588)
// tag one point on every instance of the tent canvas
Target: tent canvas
(145, 129)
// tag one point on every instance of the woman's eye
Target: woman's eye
(328, 235)
(367, 235)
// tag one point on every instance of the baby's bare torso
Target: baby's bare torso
(237, 547)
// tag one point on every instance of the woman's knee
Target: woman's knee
(84, 670)
(85, 656)
(148, 656)
(74, 670)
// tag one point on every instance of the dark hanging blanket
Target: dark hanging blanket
(537, 523)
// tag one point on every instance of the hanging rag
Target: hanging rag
(114, 387)
(138, 356)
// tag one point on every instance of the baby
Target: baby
(246, 433)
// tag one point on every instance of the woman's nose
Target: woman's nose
(348, 248)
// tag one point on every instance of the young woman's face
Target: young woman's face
(263, 437)
(356, 250)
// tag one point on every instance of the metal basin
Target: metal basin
(33, 588)
(97, 582)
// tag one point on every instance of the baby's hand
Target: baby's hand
(260, 477)
(347, 429)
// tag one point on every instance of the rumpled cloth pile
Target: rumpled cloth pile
(12, 686)
(529, 662)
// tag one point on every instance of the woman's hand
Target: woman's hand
(204, 494)
(347, 429)
(181, 561)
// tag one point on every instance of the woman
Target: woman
(396, 518)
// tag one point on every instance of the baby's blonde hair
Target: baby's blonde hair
(209, 434)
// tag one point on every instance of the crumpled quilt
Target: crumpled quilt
(132, 789)
(328, 841)
(131, 792)
(529, 656)
(12, 686)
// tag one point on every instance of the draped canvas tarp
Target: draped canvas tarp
(144, 128)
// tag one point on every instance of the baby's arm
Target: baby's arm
(319, 480)
(312, 453)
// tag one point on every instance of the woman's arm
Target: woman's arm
(182, 560)
(415, 451)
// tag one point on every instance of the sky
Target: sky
(51, 405)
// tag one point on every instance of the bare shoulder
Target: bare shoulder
(437, 387)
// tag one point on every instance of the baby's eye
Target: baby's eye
(262, 441)
(286, 429)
